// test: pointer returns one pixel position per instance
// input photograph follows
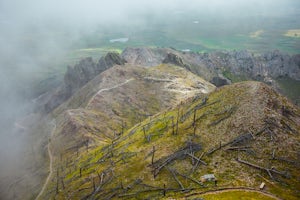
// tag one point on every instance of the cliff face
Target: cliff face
(271, 64)
(223, 67)
(78, 76)
(87, 69)
(265, 67)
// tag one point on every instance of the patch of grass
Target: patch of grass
(256, 34)
(235, 78)
(233, 195)
(293, 33)
(290, 87)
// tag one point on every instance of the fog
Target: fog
(37, 35)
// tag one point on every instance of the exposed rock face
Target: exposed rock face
(78, 76)
(146, 56)
(176, 60)
(108, 61)
(267, 67)
(271, 64)
(220, 81)
(86, 70)
(263, 67)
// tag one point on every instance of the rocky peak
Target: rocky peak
(87, 69)
(146, 56)
(79, 75)
(109, 60)
(176, 60)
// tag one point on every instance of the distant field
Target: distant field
(181, 32)
(293, 33)
(78, 54)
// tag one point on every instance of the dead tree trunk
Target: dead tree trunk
(153, 151)
(190, 178)
(62, 183)
(201, 161)
(173, 127)
(57, 180)
(94, 185)
(269, 171)
(175, 177)
(198, 161)
(144, 131)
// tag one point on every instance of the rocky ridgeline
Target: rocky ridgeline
(264, 67)
(271, 64)
(78, 76)
(87, 69)
(209, 65)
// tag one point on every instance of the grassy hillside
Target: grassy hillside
(167, 154)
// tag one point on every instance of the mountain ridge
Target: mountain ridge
(140, 98)
(249, 116)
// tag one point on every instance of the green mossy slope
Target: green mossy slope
(215, 134)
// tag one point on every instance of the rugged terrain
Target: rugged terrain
(244, 134)
(277, 69)
(143, 124)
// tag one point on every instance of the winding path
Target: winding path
(51, 162)
(107, 89)
(244, 189)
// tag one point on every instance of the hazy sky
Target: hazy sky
(33, 31)
(101, 11)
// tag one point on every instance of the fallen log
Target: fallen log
(188, 177)
(270, 171)
(175, 177)
(198, 159)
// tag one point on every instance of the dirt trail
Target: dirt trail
(51, 162)
(234, 189)
(107, 89)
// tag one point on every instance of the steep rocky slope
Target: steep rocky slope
(270, 64)
(76, 77)
(99, 127)
(117, 99)
(223, 67)
(244, 134)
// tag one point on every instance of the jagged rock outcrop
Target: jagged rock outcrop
(108, 61)
(87, 69)
(176, 60)
(78, 76)
(240, 65)
(146, 56)
(271, 64)
(220, 81)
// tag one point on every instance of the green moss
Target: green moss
(234, 77)
(233, 195)
(290, 87)
(130, 155)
